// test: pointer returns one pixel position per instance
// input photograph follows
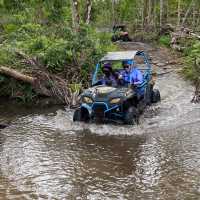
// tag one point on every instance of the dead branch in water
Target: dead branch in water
(17, 75)
(46, 84)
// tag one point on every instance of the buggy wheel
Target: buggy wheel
(141, 106)
(126, 38)
(81, 115)
(148, 94)
(77, 115)
(155, 96)
(131, 116)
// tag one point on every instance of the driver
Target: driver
(108, 78)
(130, 74)
(136, 77)
(124, 76)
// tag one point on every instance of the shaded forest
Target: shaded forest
(57, 42)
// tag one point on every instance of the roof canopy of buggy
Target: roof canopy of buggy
(120, 55)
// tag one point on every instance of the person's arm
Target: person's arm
(139, 78)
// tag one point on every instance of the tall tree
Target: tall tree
(149, 18)
(161, 12)
(187, 13)
(145, 14)
(113, 13)
(179, 13)
(88, 11)
(75, 14)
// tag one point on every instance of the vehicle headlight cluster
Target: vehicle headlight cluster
(87, 100)
(115, 101)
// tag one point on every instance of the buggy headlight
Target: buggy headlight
(115, 100)
(87, 100)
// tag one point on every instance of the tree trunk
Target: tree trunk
(75, 14)
(13, 73)
(179, 13)
(88, 11)
(113, 13)
(149, 19)
(187, 13)
(145, 14)
(161, 13)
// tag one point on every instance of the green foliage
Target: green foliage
(193, 55)
(18, 90)
(55, 45)
(57, 55)
(144, 36)
(75, 88)
(165, 40)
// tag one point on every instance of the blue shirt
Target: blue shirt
(136, 76)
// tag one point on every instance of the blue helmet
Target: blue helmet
(127, 62)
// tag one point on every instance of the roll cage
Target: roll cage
(121, 56)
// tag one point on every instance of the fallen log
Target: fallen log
(17, 75)
(182, 33)
(195, 35)
(46, 84)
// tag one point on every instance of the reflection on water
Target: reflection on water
(40, 161)
(44, 155)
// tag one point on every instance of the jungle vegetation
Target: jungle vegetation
(60, 40)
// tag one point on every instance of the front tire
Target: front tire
(114, 38)
(155, 98)
(81, 115)
(131, 116)
(77, 115)
(148, 95)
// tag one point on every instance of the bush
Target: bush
(165, 40)
(57, 55)
(55, 45)
(193, 54)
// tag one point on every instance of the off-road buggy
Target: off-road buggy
(120, 33)
(121, 103)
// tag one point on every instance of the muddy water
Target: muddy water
(44, 155)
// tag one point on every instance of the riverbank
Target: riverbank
(46, 88)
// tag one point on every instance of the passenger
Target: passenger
(108, 78)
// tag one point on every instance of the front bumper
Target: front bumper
(103, 111)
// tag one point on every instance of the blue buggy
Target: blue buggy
(120, 103)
